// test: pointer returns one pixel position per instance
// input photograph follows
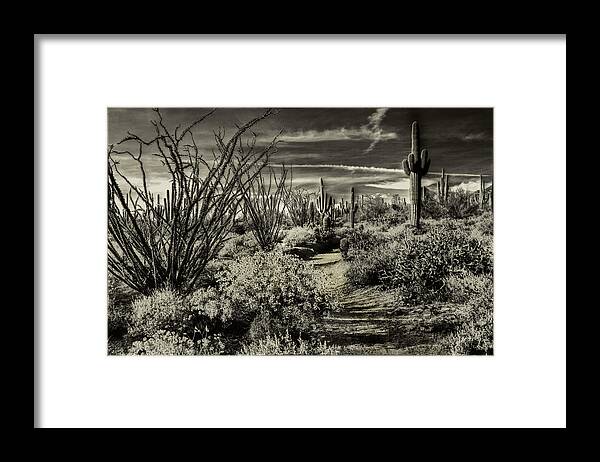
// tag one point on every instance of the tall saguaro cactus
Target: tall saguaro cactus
(481, 191)
(416, 165)
(443, 187)
(353, 208)
(325, 206)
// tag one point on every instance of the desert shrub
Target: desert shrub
(466, 287)
(170, 343)
(396, 215)
(423, 262)
(325, 239)
(485, 224)
(343, 231)
(194, 316)
(271, 292)
(239, 245)
(163, 342)
(344, 247)
(284, 344)
(239, 227)
(373, 207)
(364, 239)
(417, 264)
(367, 267)
(119, 316)
(119, 306)
(299, 237)
(163, 309)
(458, 205)
(474, 336)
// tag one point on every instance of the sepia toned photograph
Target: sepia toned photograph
(300, 231)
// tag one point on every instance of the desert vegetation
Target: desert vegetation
(236, 259)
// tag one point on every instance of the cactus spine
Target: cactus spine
(353, 208)
(416, 165)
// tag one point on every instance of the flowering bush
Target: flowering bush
(238, 245)
(284, 344)
(272, 292)
(163, 343)
(359, 239)
(458, 205)
(475, 336)
(299, 236)
(466, 287)
(163, 309)
(326, 239)
(170, 343)
(424, 261)
(194, 316)
(418, 263)
(367, 267)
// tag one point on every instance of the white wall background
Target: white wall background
(524, 384)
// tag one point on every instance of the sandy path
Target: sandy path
(369, 320)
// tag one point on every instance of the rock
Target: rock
(305, 253)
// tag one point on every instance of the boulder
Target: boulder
(305, 253)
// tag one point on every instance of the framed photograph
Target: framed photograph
(343, 241)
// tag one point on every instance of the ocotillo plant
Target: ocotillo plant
(264, 207)
(416, 165)
(443, 187)
(154, 245)
(353, 208)
(297, 203)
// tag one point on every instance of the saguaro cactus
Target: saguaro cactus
(416, 165)
(353, 208)
(481, 191)
(325, 206)
(311, 213)
(443, 187)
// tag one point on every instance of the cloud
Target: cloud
(470, 186)
(337, 134)
(374, 126)
(370, 131)
(475, 136)
(402, 184)
(351, 167)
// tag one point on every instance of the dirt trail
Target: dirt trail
(369, 320)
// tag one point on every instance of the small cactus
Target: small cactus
(416, 165)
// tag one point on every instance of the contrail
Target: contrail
(375, 126)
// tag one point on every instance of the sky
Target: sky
(347, 147)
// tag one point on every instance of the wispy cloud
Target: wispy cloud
(374, 126)
(351, 167)
(401, 184)
(475, 136)
(370, 131)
